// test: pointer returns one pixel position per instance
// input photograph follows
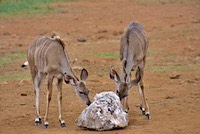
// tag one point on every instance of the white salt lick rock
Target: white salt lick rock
(105, 113)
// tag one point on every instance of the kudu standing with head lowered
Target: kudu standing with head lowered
(47, 57)
(133, 49)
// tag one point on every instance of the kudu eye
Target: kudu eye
(80, 92)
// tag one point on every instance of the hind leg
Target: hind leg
(37, 84)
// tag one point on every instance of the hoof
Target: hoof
(126, 110)
(38, 121)
(62, 125)
(143, 110)
(46, 125)
(148, 116)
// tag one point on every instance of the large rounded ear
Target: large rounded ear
(134, 82)
(70, 80)
(84, 74)
(113, 75)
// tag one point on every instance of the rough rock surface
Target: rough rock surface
(105, 113)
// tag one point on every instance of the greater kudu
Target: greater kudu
(133, 49)
(47, 57)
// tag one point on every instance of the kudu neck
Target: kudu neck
(66, 68)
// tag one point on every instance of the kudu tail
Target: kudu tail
(25, 64)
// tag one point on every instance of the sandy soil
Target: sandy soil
(172, 74)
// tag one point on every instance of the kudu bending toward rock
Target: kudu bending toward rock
(133, 49)
(47, 57)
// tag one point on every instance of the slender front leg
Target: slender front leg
(125, 104)
(147, 114)
(142, 107)
(59, 85)
(49, 94)
(122, 102)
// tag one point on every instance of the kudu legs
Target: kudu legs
(59, 86)
(124, 103)
(143, 102)
(37, 83)
(49, 94)
(143, 105)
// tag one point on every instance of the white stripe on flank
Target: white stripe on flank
(40, 51)
(45, 53)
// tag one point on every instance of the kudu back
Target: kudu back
(47, 58)
(133, 50)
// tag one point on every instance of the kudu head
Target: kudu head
(79, 86)
(123, 86)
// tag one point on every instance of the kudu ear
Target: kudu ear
(134, 82)
(70, 80)
(113, 75)
(84, 74)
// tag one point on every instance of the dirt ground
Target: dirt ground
(172, 73)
